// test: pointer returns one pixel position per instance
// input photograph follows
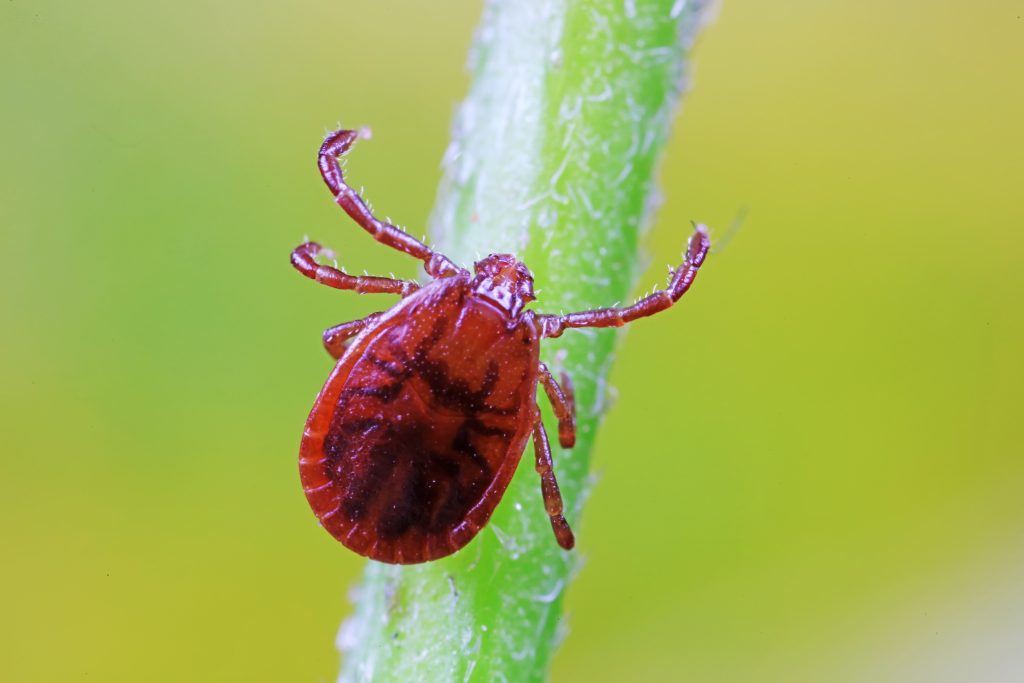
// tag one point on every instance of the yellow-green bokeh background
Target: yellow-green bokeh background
(814, 468)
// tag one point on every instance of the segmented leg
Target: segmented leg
(337, 338)
(304, 260)
(335, 145)
(563, 404)
(570, 393)
(682, 278)
(549, 487)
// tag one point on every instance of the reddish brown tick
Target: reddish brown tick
(411, 443)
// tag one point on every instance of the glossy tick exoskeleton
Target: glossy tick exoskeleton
(418, 430)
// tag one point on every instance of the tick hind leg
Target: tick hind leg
(304, 261)
(682, 278)
(549, 487)
(564, 404)
(337, 338)
(335, 145)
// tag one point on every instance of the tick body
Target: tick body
(414, 438)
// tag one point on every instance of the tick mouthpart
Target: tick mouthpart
(504, 280)
(505, 270)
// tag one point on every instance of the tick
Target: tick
(415, 436)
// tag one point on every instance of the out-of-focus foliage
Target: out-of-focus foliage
(812, 471)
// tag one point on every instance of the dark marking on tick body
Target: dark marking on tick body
(388, 367)
(417, 432)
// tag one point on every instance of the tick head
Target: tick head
(505, 280)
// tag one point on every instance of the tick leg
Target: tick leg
(549, 487)
(570, 393)
(682, 278)
(304, 260)
(564, 405)
(335, 145)
(336, 338)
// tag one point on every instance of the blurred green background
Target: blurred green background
(813, 471)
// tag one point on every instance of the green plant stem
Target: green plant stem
(552, 159)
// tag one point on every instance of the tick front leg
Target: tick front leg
(549, 487)
(564, 405)
(335, 145)
(682, 278)
(304, 260)
(336, 338)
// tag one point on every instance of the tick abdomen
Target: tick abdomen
(420, 427)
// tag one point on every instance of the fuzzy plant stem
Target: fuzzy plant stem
(552, 159)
